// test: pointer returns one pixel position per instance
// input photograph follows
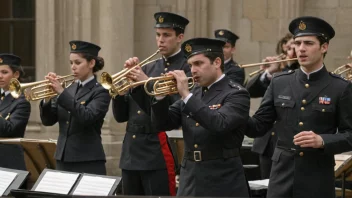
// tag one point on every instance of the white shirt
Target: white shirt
(191, 94)
(86, 81)
(226, 61)
(6, 92)
(172, 54)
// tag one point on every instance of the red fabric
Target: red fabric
(170, 163)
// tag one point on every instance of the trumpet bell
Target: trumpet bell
(344, 71)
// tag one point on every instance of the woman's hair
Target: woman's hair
(18, 68)
(99, 61)
(282, 41)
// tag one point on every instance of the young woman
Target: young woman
(80, 110)
(14, 113)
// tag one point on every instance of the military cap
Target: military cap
(10, 59)
(170, 20)
(308, 25)
(226, 35)
(84, 47)
(200, 45)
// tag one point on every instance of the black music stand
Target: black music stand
(17, 182)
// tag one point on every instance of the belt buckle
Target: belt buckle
(197, 156)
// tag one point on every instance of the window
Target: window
(17, 33)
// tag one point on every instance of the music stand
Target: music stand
(17, 182)
(38, 155)
(343, 171)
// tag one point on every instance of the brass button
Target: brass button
(67, 122)
(167, 63)
(323, 110)
(197, 124)
(306, 85)
(134, 136)
(139, 112)
(283, 104)
(304, 101)
(272, 133)
(165, 69)
(302, 108)
(205, 90)
(300, 123)
(196, 146)
(301, 154)
(187, 116)
(68, 112)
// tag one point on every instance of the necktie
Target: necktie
(78, 87)
(2, 97)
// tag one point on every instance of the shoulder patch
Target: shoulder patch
(235, 85)
(338, 76)
(278, 74)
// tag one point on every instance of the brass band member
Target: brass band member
(146, 160)
(306, 106)
(80, 110)
(212, 117)
(14, 113)
(231, 68)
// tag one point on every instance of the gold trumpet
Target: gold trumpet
(37, 90)
(344, 71)
(164, 85)
(119, 83)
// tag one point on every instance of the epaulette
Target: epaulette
(278, 74)
(338, 76)
(235, 85)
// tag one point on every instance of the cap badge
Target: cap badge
(188, 48)
(302, 26)
(161, 19)
(74, 46)
(221, 33)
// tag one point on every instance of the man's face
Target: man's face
(167, 41)
(309, 51)
(228, 50)
(203, 71)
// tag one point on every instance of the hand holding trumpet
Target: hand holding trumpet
(54, 82)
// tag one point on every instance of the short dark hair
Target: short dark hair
(213, 55)
(322, 40)
(179, 31)
(99, 61)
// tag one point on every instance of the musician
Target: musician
(146, 160)
(306, 106)
(14, 113)
(212, 117)
(283, 44)
(232, 70)
(80, 110)
(257, 86)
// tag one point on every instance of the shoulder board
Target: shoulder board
(278, 74)
(338, 76)
(235, 85)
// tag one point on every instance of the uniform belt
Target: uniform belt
(211, 155)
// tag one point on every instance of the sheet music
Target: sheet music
(6, 178)
(57, 182)
(94, 185)
(264, 182)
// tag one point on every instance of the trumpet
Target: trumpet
(37, 90)
(119, 83)
(163, 85)
(344, 71)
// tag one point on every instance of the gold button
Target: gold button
(306, 85)
(139, 112)
(69, 112)
(323, 110)
(300, 123)
(196, 146)
(67, 122)
(304, 101)
(134, 136)
(165, 69)
(272, 133)
(301, 154)
(302, 108)
(197, 124)
(283, 104)
(167, 63)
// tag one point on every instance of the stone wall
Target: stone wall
(125, 28)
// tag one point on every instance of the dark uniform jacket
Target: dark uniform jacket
(213, 133)
(80, 118)
(13, 121)
(256, 88)
(234, 72)
(322, 104)
(141, 148)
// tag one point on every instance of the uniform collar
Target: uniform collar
(86, 81)
(221, 77)
(176, 56)
(6, 92)
(227, 61)
(312, 76)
